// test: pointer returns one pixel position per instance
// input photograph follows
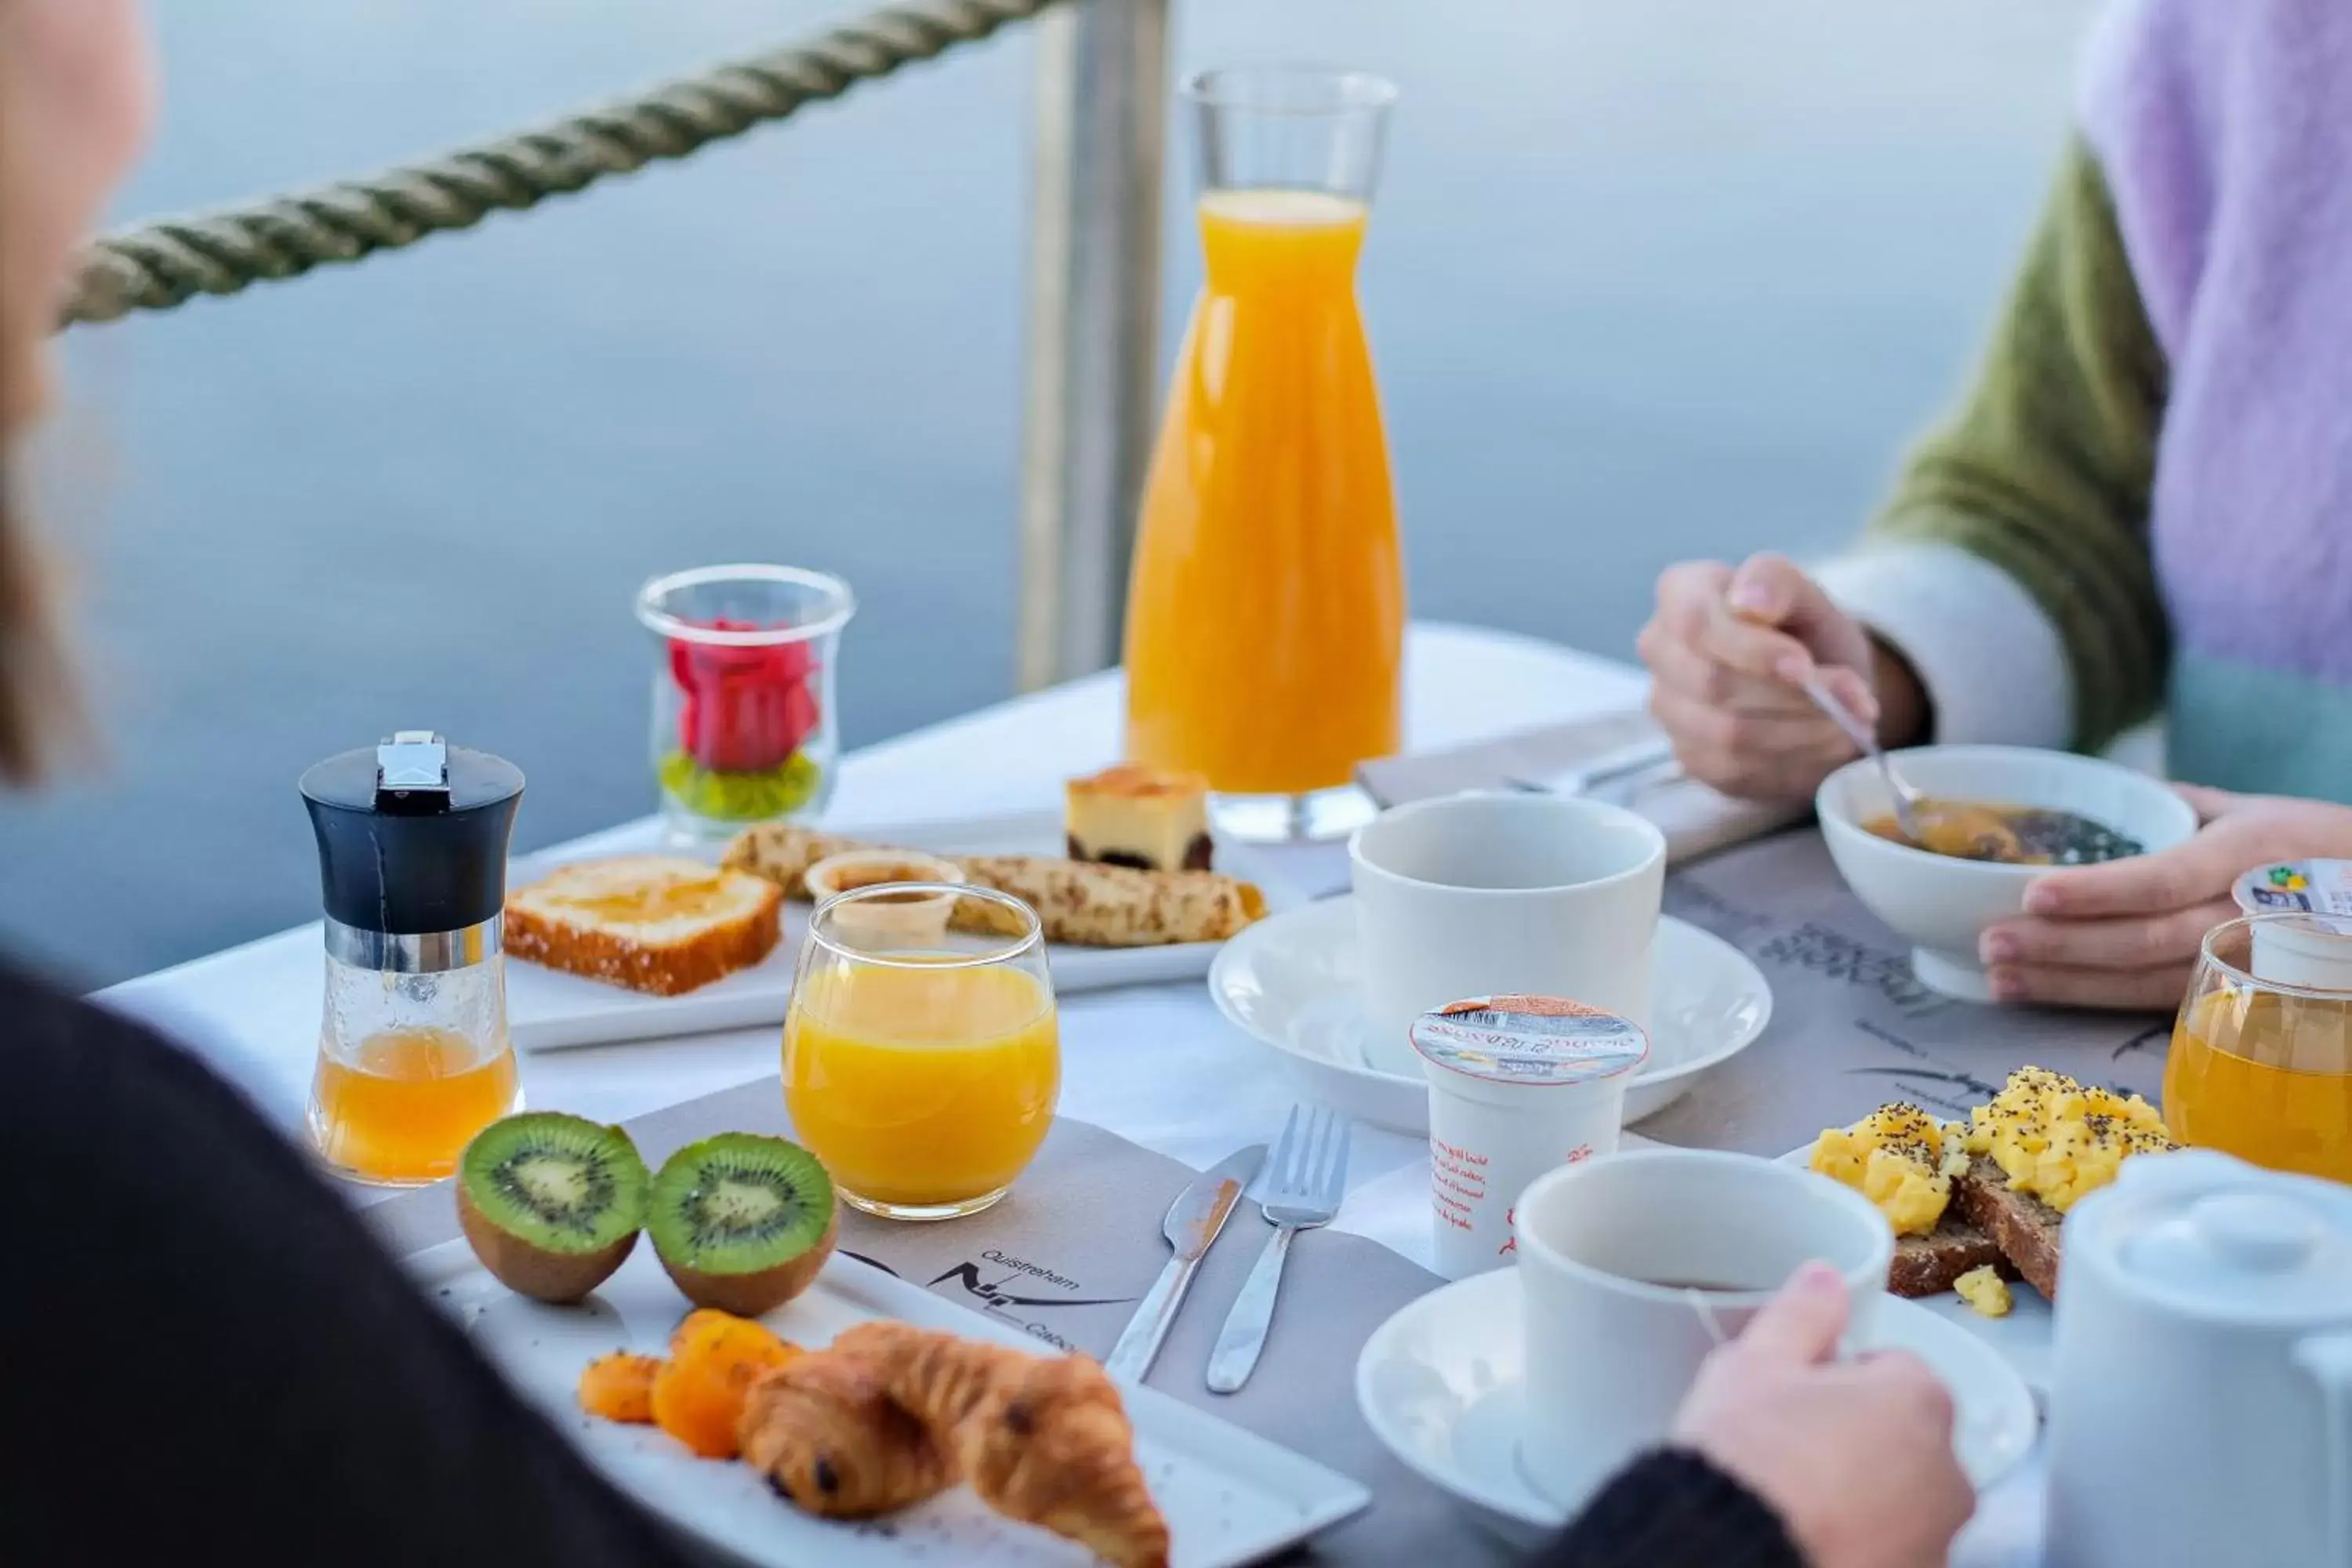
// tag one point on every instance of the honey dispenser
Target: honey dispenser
(413, 1057)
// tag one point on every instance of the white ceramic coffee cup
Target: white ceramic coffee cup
(1486, 892)
(1612, 1253)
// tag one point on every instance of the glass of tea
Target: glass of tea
(2261, 1068)
(923, 1067)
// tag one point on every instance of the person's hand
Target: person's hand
(1727, 652)
(1854, 1456)
(2126, 933)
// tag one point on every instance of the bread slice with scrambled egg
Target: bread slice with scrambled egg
(1905, 1161)
(2040, 1144)
(1993, 1190)
(2023, 1229)
(1932, 1264)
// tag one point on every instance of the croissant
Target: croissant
(833, 1442)
(1043, 1440)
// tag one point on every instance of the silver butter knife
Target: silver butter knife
(1193, 1221)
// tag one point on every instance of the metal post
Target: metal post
(1099, 124)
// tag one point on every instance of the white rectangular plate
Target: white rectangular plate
(548, 1010)
(1230, 1497)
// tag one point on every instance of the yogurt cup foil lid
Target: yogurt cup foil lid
(1536, 1040)
(2321, 887)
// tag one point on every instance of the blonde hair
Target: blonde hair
(39, 718)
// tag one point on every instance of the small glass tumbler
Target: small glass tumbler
(744, 726)
(923, 1069)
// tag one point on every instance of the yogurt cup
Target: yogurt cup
(912, 918)
(1517, 1086)
(2315, 950)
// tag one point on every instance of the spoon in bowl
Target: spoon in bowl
(1911, 807)
(1942, 827)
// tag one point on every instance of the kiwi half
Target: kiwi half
(552, 1203)
(743, 1222)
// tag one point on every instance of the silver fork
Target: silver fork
(1304, 1182)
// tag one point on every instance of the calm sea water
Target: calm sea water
(1645, 282)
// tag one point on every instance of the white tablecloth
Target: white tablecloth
(1154, 1063)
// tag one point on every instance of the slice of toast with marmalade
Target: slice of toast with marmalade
(655, 923)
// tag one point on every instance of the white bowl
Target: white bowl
(1941, 905)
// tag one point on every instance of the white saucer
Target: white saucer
(1440, 1383)
(2022, 1338)
(1290, 982)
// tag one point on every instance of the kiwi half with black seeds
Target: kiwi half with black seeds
(552, 1203)
(743, 1222)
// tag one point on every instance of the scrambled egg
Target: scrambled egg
(2057, 1139)
(1985, 1290)
(1900, 1158)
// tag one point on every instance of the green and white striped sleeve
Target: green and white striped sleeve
(2011, 567)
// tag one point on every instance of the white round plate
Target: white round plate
(1290, 982)
(1440, 1383)
(2022, 1338)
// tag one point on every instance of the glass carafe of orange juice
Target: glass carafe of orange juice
(1265, 616)
(921, 1068)
(2261, 1065)
(413, 1055)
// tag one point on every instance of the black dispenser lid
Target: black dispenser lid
(413, 832)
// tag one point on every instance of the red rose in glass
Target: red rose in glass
(747, 709)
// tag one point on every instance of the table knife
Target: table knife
(1193, 1221)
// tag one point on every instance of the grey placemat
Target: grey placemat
(1851, 1028)
(1066, 1256)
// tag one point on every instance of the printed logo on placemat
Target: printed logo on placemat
(1004, 1299)
(1834, 955)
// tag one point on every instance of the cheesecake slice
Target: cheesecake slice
(1139, 817)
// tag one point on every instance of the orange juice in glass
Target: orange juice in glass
(1265, 615)
(2259, 1067)
(922, 1075)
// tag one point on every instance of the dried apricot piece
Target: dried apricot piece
(620, 1386)
(698, 1395)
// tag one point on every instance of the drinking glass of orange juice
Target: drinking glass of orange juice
(1265, 615)
(923, 1075)
(2261, 1068)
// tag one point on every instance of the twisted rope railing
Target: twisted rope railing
(161, 265)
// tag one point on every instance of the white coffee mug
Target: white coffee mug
(1488, 892)
(1638, 1265)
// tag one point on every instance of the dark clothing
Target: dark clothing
(209, 1358)
(1672, 1508)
